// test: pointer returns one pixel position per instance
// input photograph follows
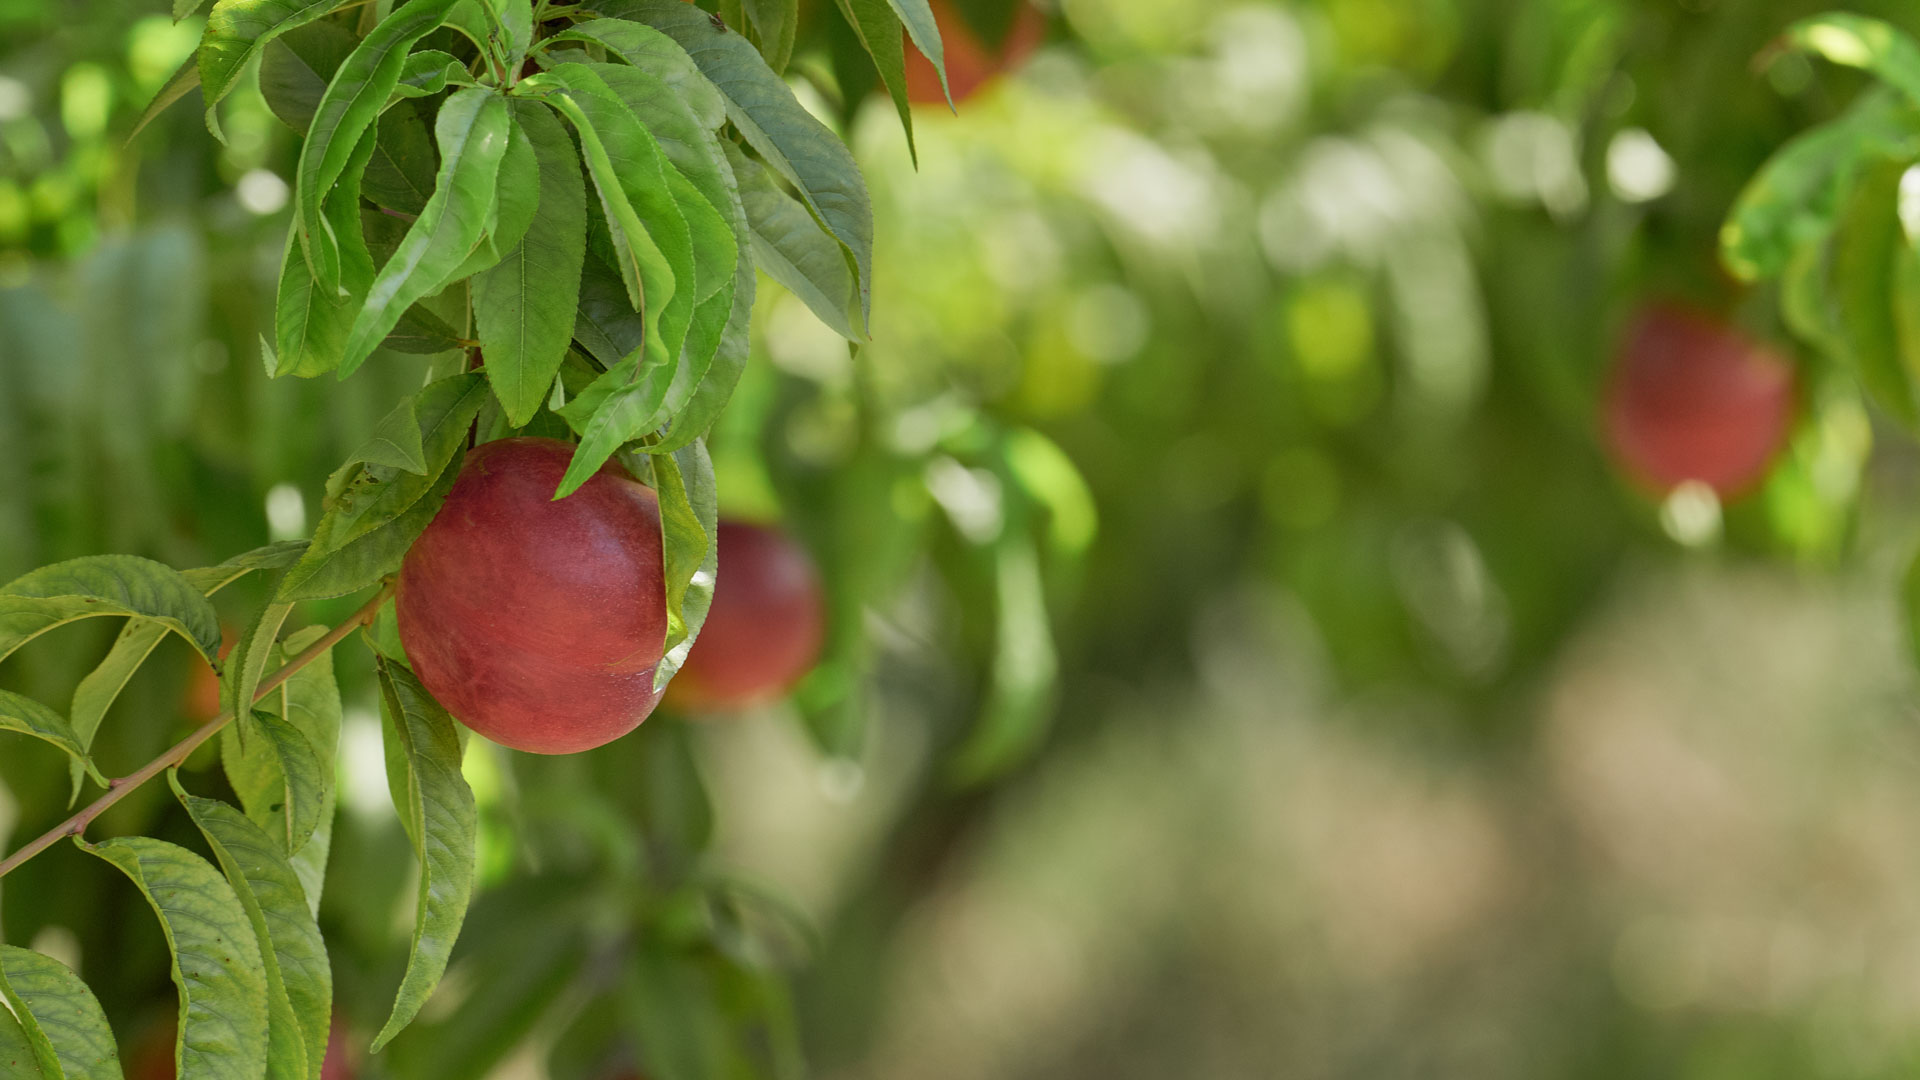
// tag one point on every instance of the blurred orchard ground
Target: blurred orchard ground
(1259, 667)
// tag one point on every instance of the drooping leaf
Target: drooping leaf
(514, 30)
(309, 702)
(438, 807)
(279, 778)
(689, 520)
(1860, 290)
(369, 557)
(52, 596)
(716, 384)
(471, 131)
(877, 29)
(660, 56)
(776, 125)
(216, 961)
(524, 305)
(177, 86)
(917, 17)
(429, 72)
(604, 324)
(311, 323)
(516, 200)
(299, 980)
(296, 67)
(1859, 41)
(29, 717)
(1025, 666)
(58, 1013)
(423, 333)
(794, 251)
(774, 23)
(1796, 197)
(351, 105)
(400, 173)
(236, 31)
(240, 674)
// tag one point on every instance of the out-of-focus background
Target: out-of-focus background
(1247, 658)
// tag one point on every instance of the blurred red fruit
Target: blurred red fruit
(201, 699)
(764, 629)
(970, 64)
(536, 622)
(1692, 399)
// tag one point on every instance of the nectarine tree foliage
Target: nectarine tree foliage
(568, 203)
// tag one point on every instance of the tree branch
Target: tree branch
(117, 789)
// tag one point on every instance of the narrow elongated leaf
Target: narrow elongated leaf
(776, 125)
(429, 72)
(514, 31)
(604, 324)
(184, 8)
(1025, 666)
(216, 961)
(917, 17)
(296, 67)
(471, 132)
(51, 596)
(660, 56)
(794, 251)
(1860, 287)
(237, 30)
(29, 717)
(716, 385)
(1859, 41)
(689, 519)
(177, 86)
(524, 306)
(310, 703)
(651, 235)
(620, 405)
(516, 200)
(311, 323)
(240, 674)
(293, 957)
(59, 1013)
(438, 807)
(400, 173)
(877, 29)
(369, 557)
(774, 23)
(351, 105)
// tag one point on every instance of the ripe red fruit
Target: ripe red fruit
(765, 627)
(538, 623)
(969, 61)
(1692, 399)
(201, 699)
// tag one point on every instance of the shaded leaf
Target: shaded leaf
(216, 961)
(177, 86)
(438, 808)
(311, 322)
(400, 173)
(689, 519)
(877, 29)
(280, 780)
(295, 69)
(236, 31)
(366, 559)
(29, 717)
(1859, 41)
(792, 248)
(241, 672)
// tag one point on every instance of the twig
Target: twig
(117, 789)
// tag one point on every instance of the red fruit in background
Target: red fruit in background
(969, 61)
(765, 626)
(201, 699)
(153, 1058)
(1693, 399)
(538, 623)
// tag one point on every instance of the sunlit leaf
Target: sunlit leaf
(689, 520)
(94, 585)
(236, 32)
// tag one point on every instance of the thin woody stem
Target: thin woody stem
(117, 789)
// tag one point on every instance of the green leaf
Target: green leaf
(280, 779)
(422, 333)
(1796, 197)
(660, 56)
(310, 703)
(428, 72)
(375, 494)
(723, 373)
(651, 236)
(1860, 291)
(689, 519)
(29, 717)
(1858, 41)
(524, 306)
(177, 86)
(240, 674)
(516, 201)
(216, 962)
(294, 959)
(437, 805)
(59, 1014)
(236, 31)
(777, 126)
(350, 106)
(368, 558)
(471, 131)
(54, 595)
(184, 8)
(23, 1058)
(604, 324)
(514, 32)
(773, 23)
(395, 441)
(311, 324)
(1025, 667)
(792, 248)
(295, 69)
(877, 29)
(917, 17)
(400, 173)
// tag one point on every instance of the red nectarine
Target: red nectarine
(1693, 399)
(765, 627)
(970, 63)
(538, 623)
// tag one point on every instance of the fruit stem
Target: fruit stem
(117, 789)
